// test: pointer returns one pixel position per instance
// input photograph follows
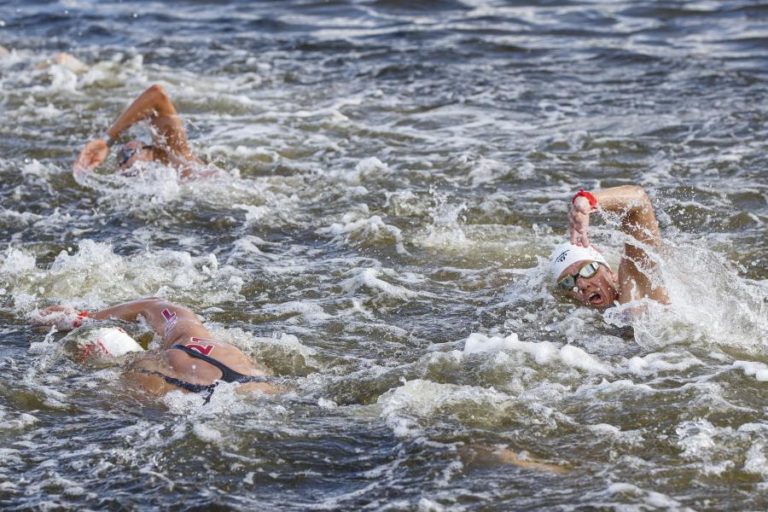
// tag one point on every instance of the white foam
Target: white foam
(326, 403)
(446, 231)
(363, 231)
(710, 302)
(427, 505)
(16, 261)
(63, 78)
(22, 421)
(543, 352)
(698, 439)
(368, 278)
(408, 407)
(367, 169)
(756, 461)
(658, 362)
(149, 185)
(308, 311)
(479, 343)
(753, 369)
(609, 388)
(405, 203)
(649, 498)
(207, 433)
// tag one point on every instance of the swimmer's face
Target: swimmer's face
(132, 152)
(599, 291)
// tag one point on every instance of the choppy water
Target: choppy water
(395, 171)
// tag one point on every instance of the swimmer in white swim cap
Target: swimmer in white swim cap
(191, 359)
(169, 146)
(103, 344)
(582, 273)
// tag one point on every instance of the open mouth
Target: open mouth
(595, 299)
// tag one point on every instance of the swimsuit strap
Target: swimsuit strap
(227, 373)
(188, 386)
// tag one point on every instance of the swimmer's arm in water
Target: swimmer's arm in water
(170, 321)
(638, 220)
(485, 454)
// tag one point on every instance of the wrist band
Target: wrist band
(110, 141)
(588, 196)
(81, 316)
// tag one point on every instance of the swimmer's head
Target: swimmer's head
(583, 274)
(134, 151)
(101, 345)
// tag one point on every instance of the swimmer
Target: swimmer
(190, 358)
(67, 61)
(169, 140)
(582, 273)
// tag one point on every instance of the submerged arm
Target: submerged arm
(170, 321)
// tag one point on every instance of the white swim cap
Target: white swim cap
(566, 254)
(105, 343)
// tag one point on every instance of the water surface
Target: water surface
(395, 174)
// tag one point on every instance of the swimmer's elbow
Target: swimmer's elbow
(642, 195)
(157, 89)
(635, 193)
(158, 92)
(636, 198)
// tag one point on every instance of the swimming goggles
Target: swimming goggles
(587, 271)
(125, 153)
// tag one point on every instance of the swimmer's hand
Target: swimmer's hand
(92, 155)
(64, 318)
(578, 221)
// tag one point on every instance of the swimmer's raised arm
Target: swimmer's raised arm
(629, 201)
(155, 104)
(170, 138)
(638, 220)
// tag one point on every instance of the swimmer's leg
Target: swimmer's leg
(525, 461)
(485, 454)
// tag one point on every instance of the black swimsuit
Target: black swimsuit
(227, 374)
